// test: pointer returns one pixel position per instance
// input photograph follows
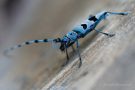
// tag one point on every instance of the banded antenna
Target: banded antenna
(58, 40)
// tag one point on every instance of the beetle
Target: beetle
(79, 31)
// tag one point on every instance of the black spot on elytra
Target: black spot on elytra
(84, 26)
(93, 18)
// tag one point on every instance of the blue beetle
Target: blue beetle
(79, 31)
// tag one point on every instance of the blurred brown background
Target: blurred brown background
(31, 67)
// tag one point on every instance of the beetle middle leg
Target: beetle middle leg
(78, 51)
(67, 61)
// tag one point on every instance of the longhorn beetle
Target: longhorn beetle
(80, 31)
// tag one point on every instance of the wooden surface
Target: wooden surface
(108, 63)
